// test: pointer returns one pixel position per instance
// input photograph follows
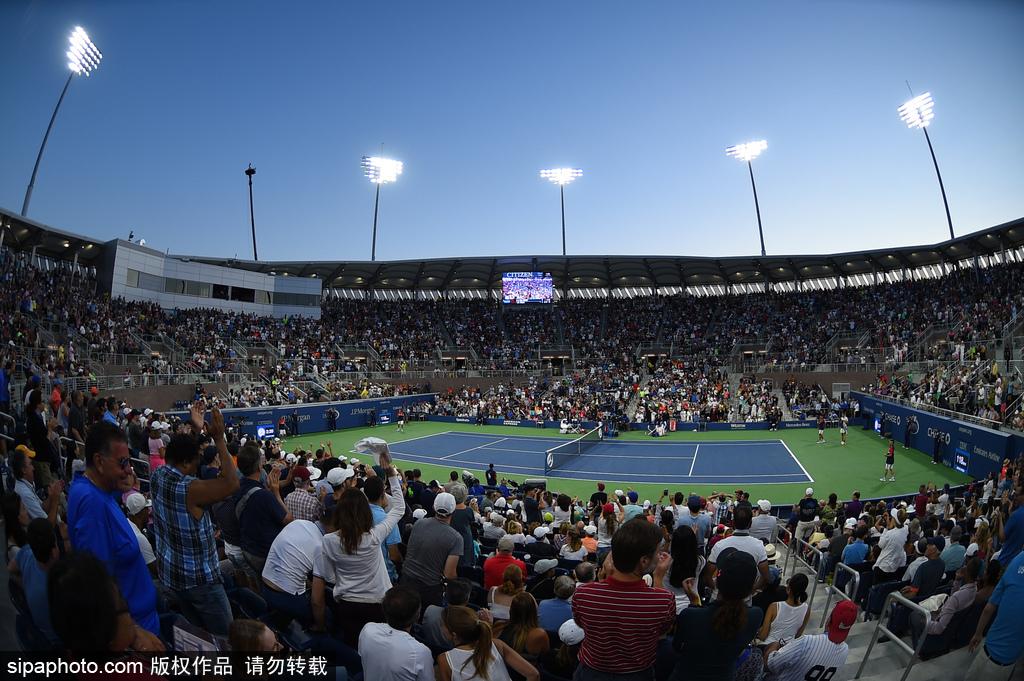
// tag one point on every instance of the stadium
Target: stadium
(546, 467)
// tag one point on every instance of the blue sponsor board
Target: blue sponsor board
(961, 445)
(680, 425)
(312, 418)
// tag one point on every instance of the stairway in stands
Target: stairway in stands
(887, 661)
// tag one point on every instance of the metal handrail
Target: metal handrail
(830, 589)
(9, 418)
(814, 570)
(880, 628)
(780, 529)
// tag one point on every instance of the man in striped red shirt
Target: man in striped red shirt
(623, 618)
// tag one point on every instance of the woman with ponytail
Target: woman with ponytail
(522, 631)
(499, 598)
(785, 620)
(477, 655)
(687, 563)
(709, 641)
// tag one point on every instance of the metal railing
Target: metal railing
(881, 628)
(128, 382)
(949, 413)
(798, 556)
(843, 594)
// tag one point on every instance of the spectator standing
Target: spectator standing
(138, 508)
(303, 502)
(96, 524)
(626, 644)
(35, 424)
(808, 513)
(185, 542)
(374, 490)
(387, 650)
(740, 539)
(353, 558)
(260, 510)
(893, 556)
(290, 562)
(1003, 645)
(709, 640)
(456, 592)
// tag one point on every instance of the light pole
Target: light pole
(379, 171)
(250, 171)
(748, 151)
(561, 177)
(917, 113)
(83, 59)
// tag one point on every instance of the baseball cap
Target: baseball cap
(647, 503)
(737, 572)
(506, 543)
(972, 550)
(764, 505)
(444, 504)
(590, 529)
(418, 513)
(542, 566)
(633, 496)
(842, 619)
(938, 542)
(337, 476)
(354, 461)
(850, 523)
(500, 502)
(314, 472)
(147, 411)
(136, 502)
(291, 458)
(541, 532)
(809, 491)
(921, 545)
(608, 508)
(570, 633)
(301, 472)
(26, 451)
(618, 492)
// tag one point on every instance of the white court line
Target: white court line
(694, 462)
(423, 458)
(809, 478)
(442, 458)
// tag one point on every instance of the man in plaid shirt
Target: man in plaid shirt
(185, 544)
(303, 503)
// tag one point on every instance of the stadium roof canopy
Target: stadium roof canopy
(575, 271)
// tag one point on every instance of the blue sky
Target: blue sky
(476, 97)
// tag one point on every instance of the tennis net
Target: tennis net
(556, 457)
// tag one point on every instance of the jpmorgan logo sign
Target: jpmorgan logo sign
(936, 433)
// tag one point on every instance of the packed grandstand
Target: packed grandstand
(190, 524)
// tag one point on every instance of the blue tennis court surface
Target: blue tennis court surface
(737, 461)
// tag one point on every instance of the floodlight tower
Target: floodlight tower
(379, 171)
(748, 151)
(917, 113)
(561, 177)
(83, 59)
(250, 171)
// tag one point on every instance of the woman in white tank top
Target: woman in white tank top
(785, 620)
(477, 655)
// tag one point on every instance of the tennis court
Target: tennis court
(714, 462)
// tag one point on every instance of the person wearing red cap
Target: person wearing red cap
(817, 656)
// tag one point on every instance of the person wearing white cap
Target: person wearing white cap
(353, 557)
(763, 524)
(540, 547)
(808, 510)
(563, 661)
(433, 553)
(543, 586)
(137, 509)
(494, 528)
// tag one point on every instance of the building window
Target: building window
(242, 294)
(220, 292)
(133, 279)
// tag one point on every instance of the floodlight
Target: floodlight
(918, 113)
(83, 57)
(747, 151)
(561, 176)
(381, 170)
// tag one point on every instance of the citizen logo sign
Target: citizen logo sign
(936, 433)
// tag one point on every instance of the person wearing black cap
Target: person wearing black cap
(709, 640)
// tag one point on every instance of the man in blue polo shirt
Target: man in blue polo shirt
(857, 551)
(1005, 641)
(97, 524)
(1011, 533)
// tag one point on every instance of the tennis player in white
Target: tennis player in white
(817, 657)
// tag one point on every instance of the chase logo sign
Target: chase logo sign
(936, 433)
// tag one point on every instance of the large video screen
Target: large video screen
(524, 288)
